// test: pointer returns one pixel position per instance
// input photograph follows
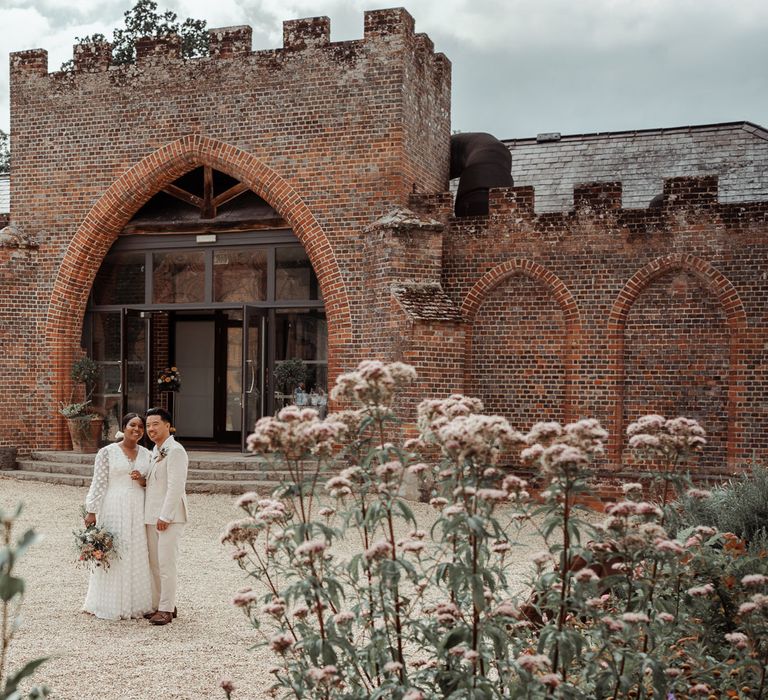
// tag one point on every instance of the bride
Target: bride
(115, 501)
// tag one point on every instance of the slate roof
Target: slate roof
(737, 152)
(5, 194)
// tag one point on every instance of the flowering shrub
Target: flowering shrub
(613, 610)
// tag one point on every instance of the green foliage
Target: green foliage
(144, 20)
(739, 506)
(84, 371)
(11, 596)
(290, 373)
(618, 609)
(5, 153)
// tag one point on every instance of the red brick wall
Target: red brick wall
(518, 352)
(676, 357)
(664, 310)
(599, 311)
(332, 135)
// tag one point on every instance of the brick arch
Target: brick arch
(736, 318)
(128, 193)
(562, 295)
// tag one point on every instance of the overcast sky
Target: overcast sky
(520, 67)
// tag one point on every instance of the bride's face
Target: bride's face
(134, 429)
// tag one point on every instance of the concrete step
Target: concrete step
(84, 470)
(48, 478)
(222, 460)
(234, 486)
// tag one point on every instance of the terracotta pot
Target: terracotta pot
(85, 433)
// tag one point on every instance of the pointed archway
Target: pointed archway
(126, 195)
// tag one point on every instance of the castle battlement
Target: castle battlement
(599, 199)
(382, 28)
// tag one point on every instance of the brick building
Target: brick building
(229, 213)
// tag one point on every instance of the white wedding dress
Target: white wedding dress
(124, 590)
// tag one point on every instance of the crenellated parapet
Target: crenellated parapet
(381, 28)
(602, 201)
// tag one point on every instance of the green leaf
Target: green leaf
(478, 593)
(13, 681)
(25, 541)
(10, 587)
(455, 637)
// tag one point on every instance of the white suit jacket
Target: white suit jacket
(167, 478)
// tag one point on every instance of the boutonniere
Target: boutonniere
(163, 452)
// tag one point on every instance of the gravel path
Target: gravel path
(132, 660)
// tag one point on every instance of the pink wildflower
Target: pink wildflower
(754, 580)
(534, 662)
(378, 550)
(701, 591)
(281, 643)
(738, 639)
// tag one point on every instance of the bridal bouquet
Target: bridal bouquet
(96, 546)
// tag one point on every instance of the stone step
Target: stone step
(222, 460)
(84, 470)
(47, 477)
(234, 487)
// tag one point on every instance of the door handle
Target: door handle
(120, 388)
(250, 363)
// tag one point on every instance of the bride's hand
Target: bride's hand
(90, 519)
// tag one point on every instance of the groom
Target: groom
(165, 513)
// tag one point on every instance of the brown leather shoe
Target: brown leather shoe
(149, 615)
(161, 618)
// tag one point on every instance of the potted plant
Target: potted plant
(290, 374)
(85, 425)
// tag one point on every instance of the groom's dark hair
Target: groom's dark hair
(164, 415)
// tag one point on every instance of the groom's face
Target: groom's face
(157, 429)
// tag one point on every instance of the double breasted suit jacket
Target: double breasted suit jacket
(165, 497)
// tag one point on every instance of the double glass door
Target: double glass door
(222, 359)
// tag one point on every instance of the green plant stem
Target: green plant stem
(565, 561)
(396, 593)
(6, 609)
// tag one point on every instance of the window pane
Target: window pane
(294, 276)
(120, 279)
(106, 336)
(178, 278)
(302, 335)
(239, 275)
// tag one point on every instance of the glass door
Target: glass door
(253, 369)
(135, 334)
(120, 347)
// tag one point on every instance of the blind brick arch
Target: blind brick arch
(127, 194)
(554, 288)
(728, 301)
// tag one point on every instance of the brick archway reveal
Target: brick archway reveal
(126, 195)
(521, 266)
(724, 291)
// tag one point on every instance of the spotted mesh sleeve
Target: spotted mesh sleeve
(99, 482)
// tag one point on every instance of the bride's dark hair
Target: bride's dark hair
(128, 417)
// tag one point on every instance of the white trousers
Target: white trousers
(163, 552)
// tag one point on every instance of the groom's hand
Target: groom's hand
(162, 525)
